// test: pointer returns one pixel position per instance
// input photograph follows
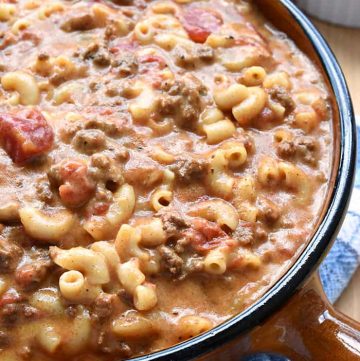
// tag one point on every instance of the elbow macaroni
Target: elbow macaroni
(46, 227)
(23, 83)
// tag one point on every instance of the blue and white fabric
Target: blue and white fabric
(344, 257)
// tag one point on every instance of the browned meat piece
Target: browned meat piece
(182, 100)
(247, 233)
(188, 169)
(98, 54)
(103, 306)
(304, 148)
(110, 127)
(190, 57)
(10, 254)
(104, 169)
(280, 95)
(71, 311)
(89, 141)
(307, 149)
(16, 312)
(286, 149)
(13, 309)
(173, 222)
(268, 211)
(171, 261)
(79, 22)
(10, 313)
(204, 52)
(32, 274)
(142, 169)
(44, 191)
(193, 264)
(322, 108)
(123, 2)
(4, 339)
(126, 64)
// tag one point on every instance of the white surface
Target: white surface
(342, 12)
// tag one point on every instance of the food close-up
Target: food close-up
(162, 165)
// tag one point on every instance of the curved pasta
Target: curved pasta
(161, 198)
(9, 212)
(78, 334)
(7, 11)
(296, 179)
(280, 79)
(127, 243)
(252, 106)
(307, 121)
(152, 232)
(133, 327)
(130, 275)
(215, 261)
(216, 210)
(219, 131)
(144, 105)
(164, 7)
(20, 25)
(219, 181)
(235, 153)
(48, 338)
(49, 9)
(47, 300)
(91, 264)
(191, 326)
(144, 32)
(145, 297)
(66, 92)
(108, 250)
(23, 83)
(254, 75)
(75, 288)
(119, 212)
(227, 98)
(46, 227)
(244, 190)
(268, 171)
(211, 115)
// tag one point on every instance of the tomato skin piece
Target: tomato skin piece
(25, 135)
(199, 23)
(205, 235)
(151, 62)
(77, 188)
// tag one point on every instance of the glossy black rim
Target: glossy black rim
(323, 237)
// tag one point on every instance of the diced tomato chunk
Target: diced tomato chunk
(127, 45)
(205, 235)
(150, 62)
(151, 65)
(78, 187)
(200, 23)
(97, 209)
(25, 135)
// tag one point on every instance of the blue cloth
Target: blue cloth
(344, 257)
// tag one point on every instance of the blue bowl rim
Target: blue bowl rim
(323, 237)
